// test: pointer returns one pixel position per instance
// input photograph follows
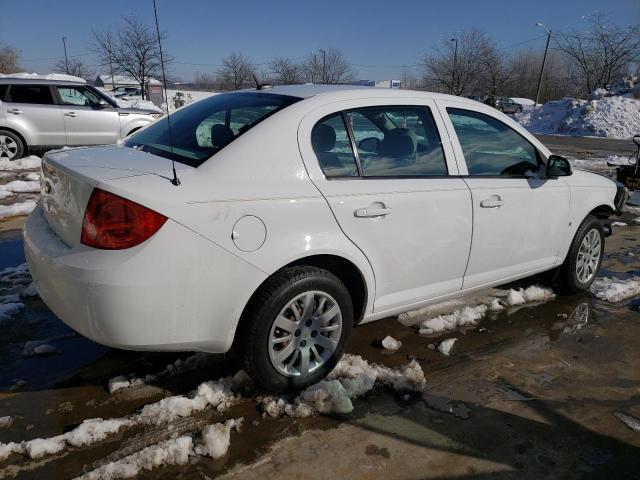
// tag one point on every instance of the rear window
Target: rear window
(40, 94)
(201, 130)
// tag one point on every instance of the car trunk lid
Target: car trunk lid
(69, 177)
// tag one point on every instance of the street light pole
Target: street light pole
(544, 59)
(66, 60)
(455, 64)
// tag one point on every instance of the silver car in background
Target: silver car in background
(37, 115)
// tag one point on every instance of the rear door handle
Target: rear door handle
(16, 111)
(372, 212)
(70, 114)
(491, 203)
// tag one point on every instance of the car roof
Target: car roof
(355, 91)
(37, 81)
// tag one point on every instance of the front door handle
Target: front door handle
(493, 202)
(15, 111)
(71, 114)
(376, 209)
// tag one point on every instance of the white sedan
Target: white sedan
(302, 211)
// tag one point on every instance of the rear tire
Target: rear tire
(295, 328)
(11, 146)
(583, 261)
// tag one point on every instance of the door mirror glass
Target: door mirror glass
(558, 166)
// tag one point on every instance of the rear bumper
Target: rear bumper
(175, 292)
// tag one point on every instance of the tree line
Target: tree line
(468, 62)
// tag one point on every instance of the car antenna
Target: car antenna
(259, 86)
(174, 181)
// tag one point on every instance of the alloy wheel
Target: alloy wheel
(305, 334)
(8, 147)
(588, 256)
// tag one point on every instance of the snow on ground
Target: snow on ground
(618, 224)
(213, 394)
(526, 103)
(215, 442)
(615, 290)
(351, 378)
(615, 116)
(15, 283)
(445, 346)
(468, 315)
(13, 210)
(631, 422)
(25, 163)
(390, 343)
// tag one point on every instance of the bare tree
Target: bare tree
(457, 71)
(77, 68)
(286, 72)
(236, 71)
(602, 52)
(8, 59)
(408, 79)
(132, 50)
(328, 66)
(496, 73)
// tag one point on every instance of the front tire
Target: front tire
(583, 261)
(11, 146)
(296, 328)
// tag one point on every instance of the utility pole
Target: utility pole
(455, 65)
(324, 66)
(66, 60)
(544, 59)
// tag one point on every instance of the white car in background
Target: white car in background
(301, 212)
(39, 114)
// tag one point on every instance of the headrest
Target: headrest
(399, 142)
(323, 138)
(221, 135)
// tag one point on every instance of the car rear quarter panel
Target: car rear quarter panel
(260, 174)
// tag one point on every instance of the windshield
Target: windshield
(201, 130)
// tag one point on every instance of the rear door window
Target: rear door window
(39, 94)
(332, 147)
(397, 141)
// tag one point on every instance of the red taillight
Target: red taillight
(113, 223)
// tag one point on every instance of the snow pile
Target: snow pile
(213, 394)
(615, 290)
(25, 163)
(21, 186)
(468, 316)
(192, 362)
(446, 346)
(17, 209)
(351, 378)
(602, 116)
(216, 440)
(465, 317)
(390, 343)
(15, 283)
(49, 76)
(526, 103)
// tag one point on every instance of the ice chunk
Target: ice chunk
(464, 317)
(631, 422)
(217, 438)
(391, 343)
(445, 346)
(6, 422)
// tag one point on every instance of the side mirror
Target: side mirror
(558, 166)
(103, 104)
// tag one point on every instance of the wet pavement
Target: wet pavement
(533, 391)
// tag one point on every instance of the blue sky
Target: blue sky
(381, 33)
